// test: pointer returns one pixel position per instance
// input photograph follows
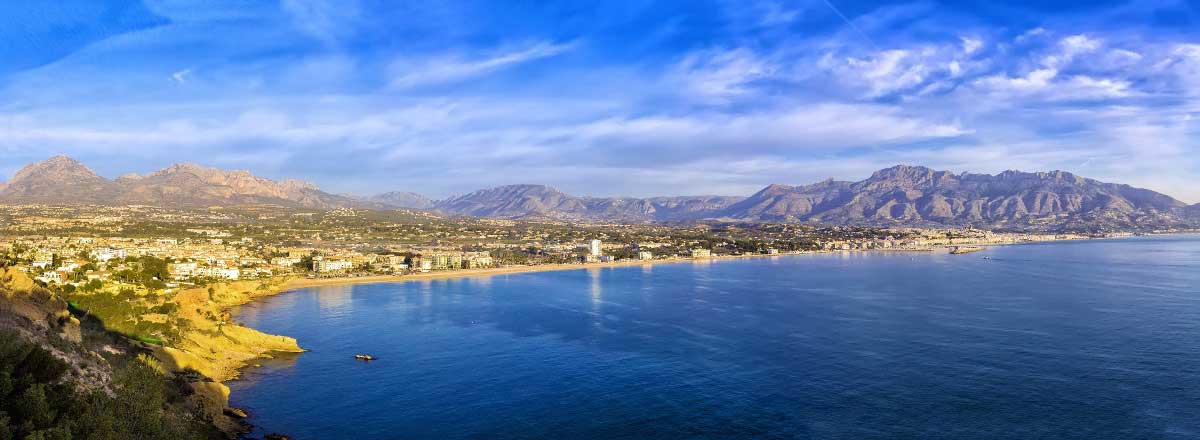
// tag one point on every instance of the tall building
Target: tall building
(594, 248)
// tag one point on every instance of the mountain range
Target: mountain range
(62, 180)
(897, 196)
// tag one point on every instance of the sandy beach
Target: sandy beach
(301, 283)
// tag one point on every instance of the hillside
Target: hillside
(62, 378)
(402, 199)
(541, 201)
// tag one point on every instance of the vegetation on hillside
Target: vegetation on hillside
(37, 403)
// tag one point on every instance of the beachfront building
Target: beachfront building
(645, 255)
(323, 265)
(701, 253)
(442, 261)
(594, 248)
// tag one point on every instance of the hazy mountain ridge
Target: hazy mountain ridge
(898, 196)
(541, 201)
(402, 199)
(62, 180)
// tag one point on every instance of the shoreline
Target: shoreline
(298, 283)
(294, 284)
(305, 283)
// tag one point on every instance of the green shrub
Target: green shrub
(36, 404)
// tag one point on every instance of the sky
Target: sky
(635, 98)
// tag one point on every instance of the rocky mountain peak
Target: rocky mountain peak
(57, 167)
(61, 180)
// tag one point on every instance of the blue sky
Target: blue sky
(604, 98)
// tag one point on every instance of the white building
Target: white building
(320, 264)
(51, 277)
(594, 248)
(182, 270)
(701, 253)
(103, 255)
(645, 255)
(285, 261)
(231, 273)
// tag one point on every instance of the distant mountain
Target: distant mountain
(402, 199)
(62, 180)
(540, 201)
(919, 196)
(897, 196)
(55, 180)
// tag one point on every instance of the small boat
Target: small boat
(364, 357)
(237, 413)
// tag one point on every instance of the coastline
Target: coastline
(281, 285)
(295, 283)
(304, 283)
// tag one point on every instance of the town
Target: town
(140, 249)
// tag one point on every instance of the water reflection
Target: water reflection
(426, 292)
(594, 286)
(335, 299)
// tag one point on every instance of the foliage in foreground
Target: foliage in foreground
(35, 403)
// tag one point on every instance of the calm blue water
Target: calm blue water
(1080, 340)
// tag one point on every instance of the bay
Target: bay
(1074, 340)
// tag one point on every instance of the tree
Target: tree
(33, 407)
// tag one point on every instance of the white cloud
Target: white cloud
(408, 73)
(719, 74)
(1068, 49)
(325, 20)
(826, 127)
(971, 45)
(181, 75)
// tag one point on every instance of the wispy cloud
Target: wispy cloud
(613, 99)
(180, 76)
(718, 74)
(409, 73)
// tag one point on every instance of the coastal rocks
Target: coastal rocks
(246, 336)
(211, 350)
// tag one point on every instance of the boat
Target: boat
(364, 357)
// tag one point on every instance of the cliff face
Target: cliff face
(212, 344)
(26, 306)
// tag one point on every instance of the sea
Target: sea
(1096, 339)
